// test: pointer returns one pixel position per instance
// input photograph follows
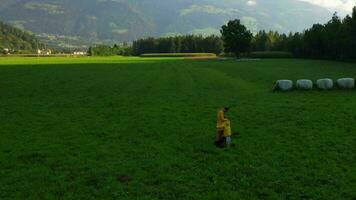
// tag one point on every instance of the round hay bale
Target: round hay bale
(325, 84)
(304, 84)
(346, 83)
(284, 85)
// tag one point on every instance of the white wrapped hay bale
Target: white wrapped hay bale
(304, 84)
(325, 84)
(346, 83)
(284, 85)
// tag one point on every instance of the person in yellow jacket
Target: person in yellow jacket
(223, 126)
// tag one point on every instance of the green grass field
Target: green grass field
(137, 128)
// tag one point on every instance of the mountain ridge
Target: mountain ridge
(126, 20)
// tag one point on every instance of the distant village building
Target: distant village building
(6, 51)
(44, 51)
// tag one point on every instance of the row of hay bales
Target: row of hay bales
(322, 84)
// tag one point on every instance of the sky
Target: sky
(341, 6)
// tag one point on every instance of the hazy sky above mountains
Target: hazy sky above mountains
(335, 5)
(341, 6)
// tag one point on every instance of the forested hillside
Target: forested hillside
(17, 40)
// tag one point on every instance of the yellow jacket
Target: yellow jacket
(220, 119)
(223, 123)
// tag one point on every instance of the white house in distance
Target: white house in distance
(6, 51)
(44, 51)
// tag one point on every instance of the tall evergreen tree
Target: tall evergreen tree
(236, 37)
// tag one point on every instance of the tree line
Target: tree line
(178, 44)
(106, 50)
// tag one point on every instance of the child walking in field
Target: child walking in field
(223, 126)
(227, 133)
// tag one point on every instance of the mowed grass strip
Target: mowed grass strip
(130, 128)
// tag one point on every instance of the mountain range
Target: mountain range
(90, 21)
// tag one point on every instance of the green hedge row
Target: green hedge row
(36, 55)
(152, 55)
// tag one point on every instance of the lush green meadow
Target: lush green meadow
(140, 128)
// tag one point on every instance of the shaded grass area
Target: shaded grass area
(162, 55)
(120, 128)
(270, 54)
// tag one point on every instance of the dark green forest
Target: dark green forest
(178, 44)
(335, 40)
(16, 40)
